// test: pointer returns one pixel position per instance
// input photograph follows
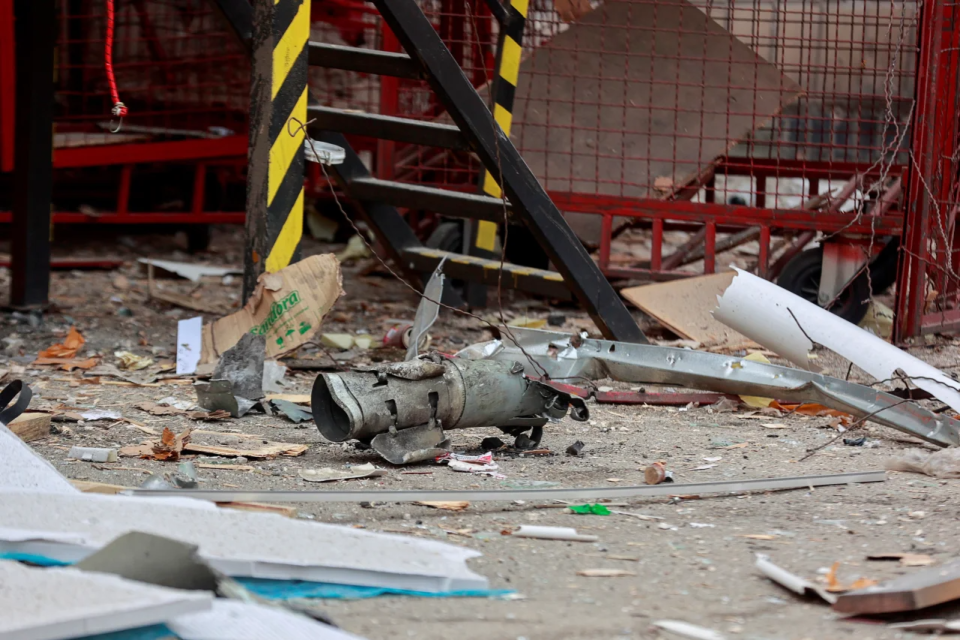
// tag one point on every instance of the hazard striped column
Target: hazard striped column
(278, 109)
(484, 232)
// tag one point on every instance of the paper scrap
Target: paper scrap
(189, 345)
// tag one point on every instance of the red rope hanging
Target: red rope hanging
(119, 109)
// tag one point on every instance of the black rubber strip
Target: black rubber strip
(8, 412)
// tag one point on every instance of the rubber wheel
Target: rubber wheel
(801, 276)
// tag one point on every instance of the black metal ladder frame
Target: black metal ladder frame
(428, 58)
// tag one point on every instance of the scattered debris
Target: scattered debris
(855, 442)
(217, 395)
(192, 272)
(552, 533)
(575, 449)
(791, 581)
(242, 367)
(907, 593)
(273, 375)
(67, 349)
(342, 341)
(492, 443)
(605, 573)
(255, 446)
(189, 345)
(157, 409)
(483, 464)
(293, 412)
(93, 454)
(458, 505)
(788, 325)
(356, 249)
(688, 630)
(905, 559)
(427, 311)
(939, 464)
(168, 447)
(333, 475)
(287, 316)
(936, 625)
(31, 426)
(131, 361)
(835, 586)
(657, 473)
(590, 509)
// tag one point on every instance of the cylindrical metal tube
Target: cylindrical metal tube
(457, 393)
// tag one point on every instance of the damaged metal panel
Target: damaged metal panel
(433, 394)
(563, 357)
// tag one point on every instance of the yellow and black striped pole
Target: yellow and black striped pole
(278, 111)
(484, 233)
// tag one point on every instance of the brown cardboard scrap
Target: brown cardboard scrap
(288, 312)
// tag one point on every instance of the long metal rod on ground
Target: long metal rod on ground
(644, 491)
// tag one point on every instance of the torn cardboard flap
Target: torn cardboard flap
(287, 313)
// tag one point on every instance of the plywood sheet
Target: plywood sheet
(637, 91)
(684, 307)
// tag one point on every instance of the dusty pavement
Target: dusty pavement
(694, 563)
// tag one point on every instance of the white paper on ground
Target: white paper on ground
(240, 543)
(189, 345)
(762, 311)
(55, 604)
(234, 620)
(192, 272)
(22, 468)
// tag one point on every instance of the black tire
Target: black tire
(801, 276)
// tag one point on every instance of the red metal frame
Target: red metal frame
(929, 264)
(7, 84)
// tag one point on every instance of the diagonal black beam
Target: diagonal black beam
(530, 202)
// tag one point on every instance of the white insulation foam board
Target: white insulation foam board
(22, 468)
(234, 620)
(54, 604)
(235, 542)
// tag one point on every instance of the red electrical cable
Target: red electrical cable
(119, 109)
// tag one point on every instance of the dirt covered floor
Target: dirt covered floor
(685, 559)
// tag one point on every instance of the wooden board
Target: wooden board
(31, 426)
(637, 91)
(913, 591)
(684, 307)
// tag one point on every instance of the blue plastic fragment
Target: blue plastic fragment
(288, 589)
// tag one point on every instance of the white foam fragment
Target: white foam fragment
(22, 468)
(53, 604)
(237, 543)
(234, 620)
(786, 324)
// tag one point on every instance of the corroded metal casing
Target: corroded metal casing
(457, 393)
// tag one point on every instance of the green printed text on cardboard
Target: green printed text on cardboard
(277, 311)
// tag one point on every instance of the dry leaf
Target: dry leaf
(813, 409)
(170, 445)
(605, 573)
(835, 586)
(447, 506)
(67, 349)
(133, 362)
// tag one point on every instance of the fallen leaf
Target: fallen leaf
(170, 445)
(835, 586)
(67, 349)
(813, 409)
(67, 364)
(446, 506)
(133, 362)
(605, 573)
